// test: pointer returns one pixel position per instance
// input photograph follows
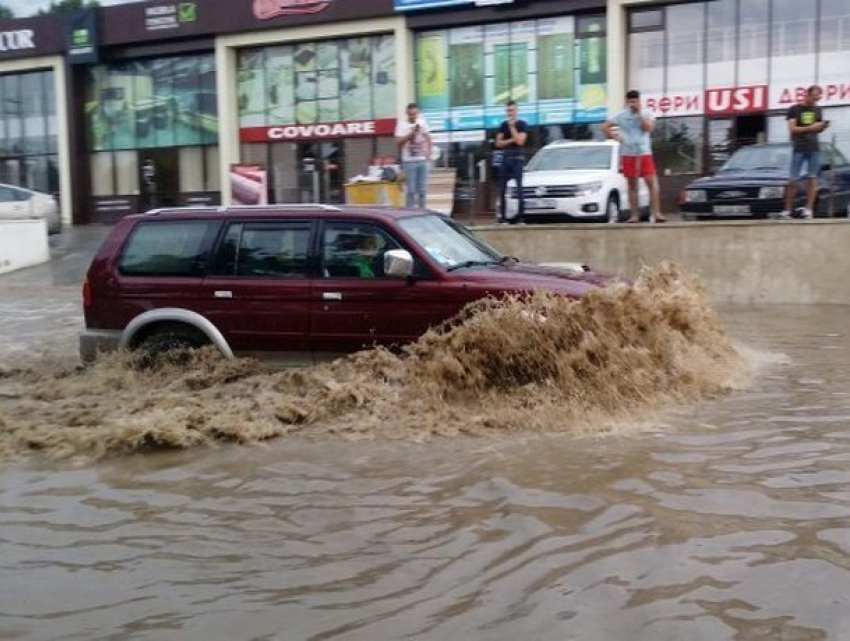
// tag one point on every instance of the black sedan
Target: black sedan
(751, 184)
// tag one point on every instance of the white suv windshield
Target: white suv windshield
(448, 243)
(573, 157)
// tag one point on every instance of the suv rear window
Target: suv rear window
(167, 249)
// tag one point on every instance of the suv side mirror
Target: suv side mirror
(398, 263)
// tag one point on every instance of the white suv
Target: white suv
(579, 180)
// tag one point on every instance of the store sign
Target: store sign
(686, 103)
(164, 17)
(249, 184)
(735, 100)
(414, 5)
(319, 131)
(267, 9)
(21, 39)
(834, 93)
(81, 36)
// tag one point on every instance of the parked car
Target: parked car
(17, 203)
(568, 180)
(294, 283)
(751, 184)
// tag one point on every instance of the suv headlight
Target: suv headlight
(772, 192)
(695, 196)
(587, 189)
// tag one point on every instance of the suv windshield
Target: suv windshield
(572, 157)
(447, 242)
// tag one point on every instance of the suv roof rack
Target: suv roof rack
(322, 206)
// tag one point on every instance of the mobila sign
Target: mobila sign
(319, 131)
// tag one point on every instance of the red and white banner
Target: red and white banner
(319, 131)
(834, 93)
(249, 184)
(735, 100)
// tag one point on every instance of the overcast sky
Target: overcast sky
(24, 8)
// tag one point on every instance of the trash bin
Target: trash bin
(375, 193)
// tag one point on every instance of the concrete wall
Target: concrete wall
(23, 243)
(741, 262)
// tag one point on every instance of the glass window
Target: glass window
(191, 169)
(354, 250)
(646, 61)
(213, 173)
(102, 183)
(721, 21)
(685, 46)
(753, 38)
(677, 145)
(265, 250)
(646, 19)
(793, 27)
(167, 249)
(127, 172)
(835, 25)
(13, 109)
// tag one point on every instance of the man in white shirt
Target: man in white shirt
(414, 140)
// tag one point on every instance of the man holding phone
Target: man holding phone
(632, 127)
(414, 140)
(511, 139)
(805, 122)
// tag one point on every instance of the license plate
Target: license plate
(731, 209)
(539, 203)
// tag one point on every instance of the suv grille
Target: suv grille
(553, 191)
(733, 193)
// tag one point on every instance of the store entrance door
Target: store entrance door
(321, 167)
(159, 178)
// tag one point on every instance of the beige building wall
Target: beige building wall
(227, 46)
(57, 65)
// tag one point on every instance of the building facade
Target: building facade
(162, 103)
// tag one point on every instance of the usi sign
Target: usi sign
(735, 100)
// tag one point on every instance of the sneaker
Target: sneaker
(806, 213)
(784, 215)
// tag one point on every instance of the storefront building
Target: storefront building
(34, 150)
(722, 73)
(548, 56)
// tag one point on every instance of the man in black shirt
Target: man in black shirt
(511, 139)
(805, 122)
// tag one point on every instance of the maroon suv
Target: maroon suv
(301, 283)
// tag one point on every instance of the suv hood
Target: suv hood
(563, 177)
(526, 277)
(767, 177)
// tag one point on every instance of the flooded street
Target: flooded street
(728, 518)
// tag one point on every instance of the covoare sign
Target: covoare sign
(315, 131)
(16, 40)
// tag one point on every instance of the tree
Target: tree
(6, 12)
(60, 6)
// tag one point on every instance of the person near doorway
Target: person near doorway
(149, 177)
(414, 140)
(805, 123)
(633, 128)
(511, 139)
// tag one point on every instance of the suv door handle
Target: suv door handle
(331, 295)
(223, 294)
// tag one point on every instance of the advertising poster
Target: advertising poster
(162, 102)
(592, 87)
(249, 184)
(317, 82)
(432, 86)
(556, 70)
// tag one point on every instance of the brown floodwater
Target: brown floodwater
(672, 476)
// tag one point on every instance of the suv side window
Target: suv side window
(273, 249)
(9, 195)
(167, 248)
(354, 250)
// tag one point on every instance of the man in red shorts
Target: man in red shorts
(633, 128)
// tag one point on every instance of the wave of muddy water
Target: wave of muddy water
(544, 365)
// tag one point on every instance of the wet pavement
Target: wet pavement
(725, 519)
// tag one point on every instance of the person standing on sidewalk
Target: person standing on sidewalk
(511, 139)
(805, 122)
(634, 125)
(414, 140)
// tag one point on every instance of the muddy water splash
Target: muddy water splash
(546, 364)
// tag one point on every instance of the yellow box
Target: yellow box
(375, 193)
